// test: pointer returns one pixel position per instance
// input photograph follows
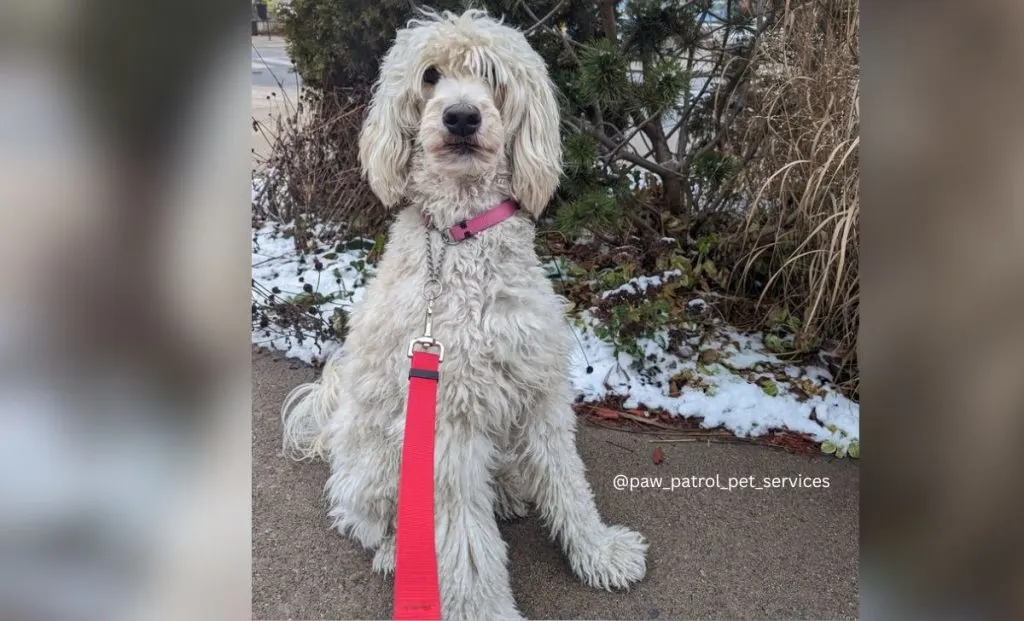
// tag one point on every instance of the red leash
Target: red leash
(417, 595)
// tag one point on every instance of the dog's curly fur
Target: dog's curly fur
(505, 429)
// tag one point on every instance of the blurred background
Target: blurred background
(942, 264)
(126, 151)
(124, 398)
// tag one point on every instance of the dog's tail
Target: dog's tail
(307, 410)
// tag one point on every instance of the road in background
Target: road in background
(275, 90)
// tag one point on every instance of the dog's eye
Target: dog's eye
(431, 75)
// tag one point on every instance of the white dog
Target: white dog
(463, 117)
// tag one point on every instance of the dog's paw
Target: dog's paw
(384, 557)
(495, 610)
(613, 558)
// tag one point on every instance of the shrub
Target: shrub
(312, 174)
(337, 44)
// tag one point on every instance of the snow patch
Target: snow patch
(641, 283)
(741, 406)
(725, 395)
(277, 265)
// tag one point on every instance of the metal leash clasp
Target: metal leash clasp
(427, 341)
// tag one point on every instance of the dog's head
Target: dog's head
(471, 93)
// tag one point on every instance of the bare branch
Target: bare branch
(624, 155)
(541, 24)
(636, 130)
(542, 21)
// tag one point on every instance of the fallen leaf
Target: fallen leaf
(709, 356)
(658, 455)
(606, 414)
(673, 389)
(769, 387)
(800, 395)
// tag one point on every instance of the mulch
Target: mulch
(668, 428)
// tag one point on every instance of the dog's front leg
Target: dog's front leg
(602, 556)
(472, 558)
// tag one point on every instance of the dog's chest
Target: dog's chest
(502, 327)
(506, 342)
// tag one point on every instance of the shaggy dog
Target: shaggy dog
(505, 434)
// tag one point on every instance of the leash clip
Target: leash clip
(427, 341)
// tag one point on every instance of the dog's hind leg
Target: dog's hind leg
(362, 490)
(307, 410)
(602, 556)
(472, 558)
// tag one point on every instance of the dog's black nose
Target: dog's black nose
(461, 119)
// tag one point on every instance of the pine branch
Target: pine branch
(566, 40)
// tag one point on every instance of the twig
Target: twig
(529, 31)
(636, 130)
(280, 84)
(625, 448)
(625, 155)
(647, 421)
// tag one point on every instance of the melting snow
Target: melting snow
(728, 398)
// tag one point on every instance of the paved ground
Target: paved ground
(275, 87)
(745, 554)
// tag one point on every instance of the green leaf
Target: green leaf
(769, 387)
(828, 447)
(579, 153)
(774, 343)
(794, 323)
(854, 449)
(710, 269)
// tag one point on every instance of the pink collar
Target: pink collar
(468, 228)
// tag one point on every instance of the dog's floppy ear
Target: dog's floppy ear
(536, 150)
(385, 142)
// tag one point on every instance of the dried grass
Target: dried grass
(799, 245)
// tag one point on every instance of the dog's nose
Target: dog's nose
(461, 119)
